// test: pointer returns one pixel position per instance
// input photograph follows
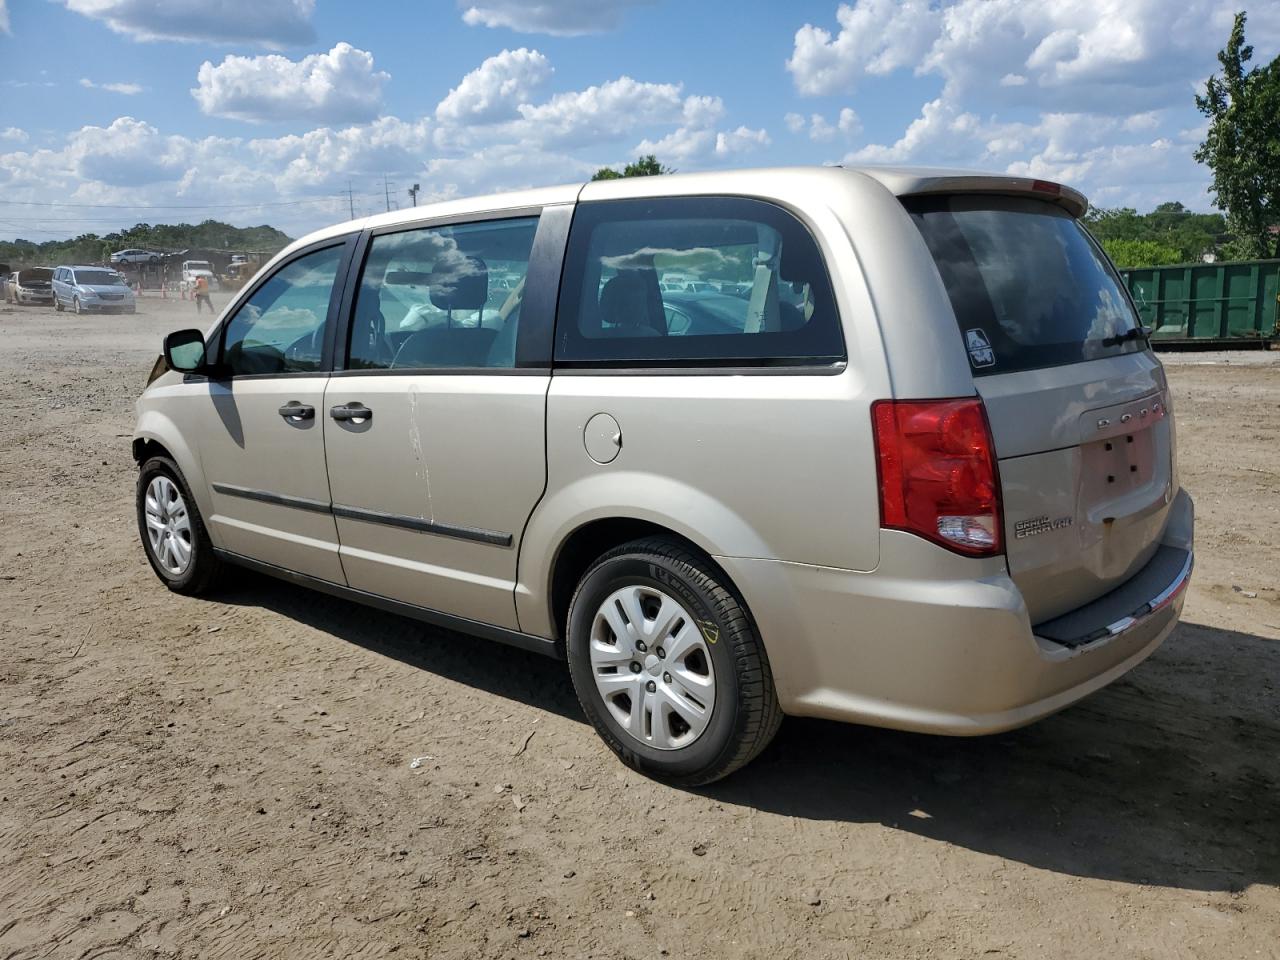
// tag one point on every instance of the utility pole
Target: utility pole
(386, 191)
(413, 192)
(351, 203)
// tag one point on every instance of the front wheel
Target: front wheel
(75, 305)
(667, 664)
(174, 536)
(57, 305)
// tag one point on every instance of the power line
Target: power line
(166, 206)
(71, 220)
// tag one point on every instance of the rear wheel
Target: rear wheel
(667, 664)
(174, 536)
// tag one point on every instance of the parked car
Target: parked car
(134, 255)
(700, 286)
(29, 286)
(92, 290)
(937, 492)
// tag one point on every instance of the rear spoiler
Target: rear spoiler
(909, 183)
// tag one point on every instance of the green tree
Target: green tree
(1141, 253)
(1170, 224)
(647, 166)
(1242, 147)
(162, 238)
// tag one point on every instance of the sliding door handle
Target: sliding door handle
(354, 412)
(296, 412)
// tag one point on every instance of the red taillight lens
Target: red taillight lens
(938, 473)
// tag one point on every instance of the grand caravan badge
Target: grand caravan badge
(980, 352)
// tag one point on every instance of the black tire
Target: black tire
(75, 306)
(745, 715)
(205, 569)
(57, 305)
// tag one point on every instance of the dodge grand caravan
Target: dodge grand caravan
(919, 474)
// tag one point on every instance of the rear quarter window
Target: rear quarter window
(1029, 287)
(694, 281)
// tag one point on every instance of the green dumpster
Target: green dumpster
(1227, 304)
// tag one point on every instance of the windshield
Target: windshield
(98, 278)
(198, 265)
(1029, 286)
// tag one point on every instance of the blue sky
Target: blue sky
(252, 111)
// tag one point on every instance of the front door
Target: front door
(435, 431)
(261, 441)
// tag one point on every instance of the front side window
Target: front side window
(442, 297)
(280, 329)
(694, 280)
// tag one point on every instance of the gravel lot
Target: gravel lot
(232, 777)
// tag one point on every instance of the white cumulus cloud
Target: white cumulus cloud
(1101, 87)
(268, 23)
(1101, 55)
(742, 140)
(496, 89)
(563, 18)
(822, 130)
(128, 89)
(13, 133)
(495, 130)
(605, 110)
(875, 37)
(340, 86)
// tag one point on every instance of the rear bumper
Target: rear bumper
(940, 644)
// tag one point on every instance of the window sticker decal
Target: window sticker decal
(979, 347)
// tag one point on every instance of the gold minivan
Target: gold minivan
(886, 445)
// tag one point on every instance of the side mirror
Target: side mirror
(184, 351)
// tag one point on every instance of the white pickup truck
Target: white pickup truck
(197, 268)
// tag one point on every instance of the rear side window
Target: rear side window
(694, 281)
(1028, 285)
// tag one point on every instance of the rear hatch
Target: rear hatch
(1077, 402)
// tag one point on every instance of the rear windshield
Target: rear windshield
(1029, 286)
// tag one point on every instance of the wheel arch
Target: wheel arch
(592, 514)
(594, 538)
(157, 435)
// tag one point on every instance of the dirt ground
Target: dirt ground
(234, 778)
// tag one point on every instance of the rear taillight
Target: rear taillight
(938, 473)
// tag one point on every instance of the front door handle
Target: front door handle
(354, 412)
(296, 412)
